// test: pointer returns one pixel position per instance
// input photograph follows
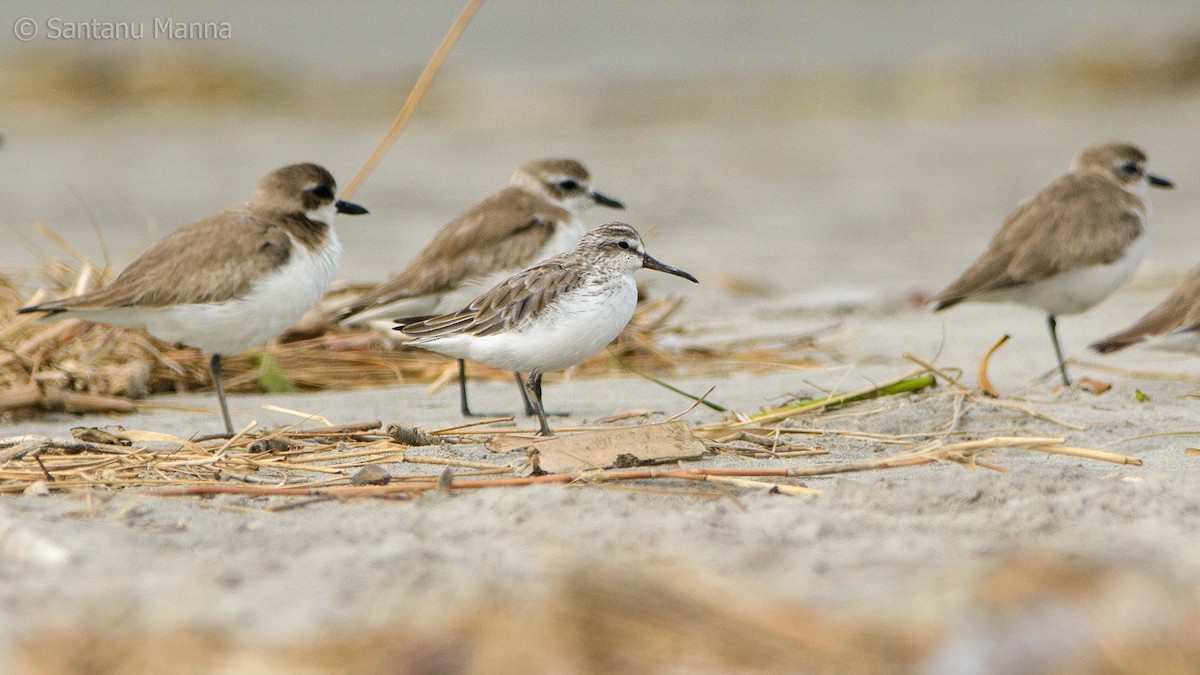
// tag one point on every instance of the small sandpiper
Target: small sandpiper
(551, 316)
(1173, 325)
(535, 217)
(1071, 245)
(231, 281)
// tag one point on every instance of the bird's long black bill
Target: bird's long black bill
(1159, 181)
(349, 208)
(605, 200)
(652, 264)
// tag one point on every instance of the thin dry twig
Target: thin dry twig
(985, 383)
(414, 97)
(951, 379)
(317, 463)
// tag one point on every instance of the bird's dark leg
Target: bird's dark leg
(1062, 364)
(534, 388)
(529, 412)
(462, 389)
(463, 406)
(215, 366)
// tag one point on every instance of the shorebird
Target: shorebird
(231, 281)
(1174, 324)
(551, 316)
(1071, 245)
(535, 217)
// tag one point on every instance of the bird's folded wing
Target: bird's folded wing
(1077, 221)
(212, 260)
(518, 299)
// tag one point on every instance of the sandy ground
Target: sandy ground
(902, 545)
(837, 215)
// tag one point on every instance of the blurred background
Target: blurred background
(772, 147)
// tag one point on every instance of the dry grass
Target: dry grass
(1031, 613)
(79, 366)
(323, 463)
(76, 366)
(588, 620)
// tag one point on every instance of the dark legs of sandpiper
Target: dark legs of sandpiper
(465, 407)
(533, 387)
(529, 411)
(1062, 364)
(215, 366)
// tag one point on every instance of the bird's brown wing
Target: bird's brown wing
(518, 299)
(211, 260)
(504, 232)
(1179, 311)
(1078, 220)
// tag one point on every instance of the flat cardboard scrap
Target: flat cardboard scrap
(616, 448)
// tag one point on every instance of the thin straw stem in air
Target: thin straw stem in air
(414, 97)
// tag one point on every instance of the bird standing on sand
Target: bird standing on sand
(1071, 245)
(535, 217)
(549, 317)
(231, 281)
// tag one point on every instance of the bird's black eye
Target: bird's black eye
(322, 191)
(568, 185)
(1131, 168)
(623, 244)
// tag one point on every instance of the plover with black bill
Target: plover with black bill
(1071, 245)
(1173, 325)
(231, 281)
(535, 217)
(549, 317)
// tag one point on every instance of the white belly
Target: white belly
(273, 304)
(569, 333)
(1078, 290)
